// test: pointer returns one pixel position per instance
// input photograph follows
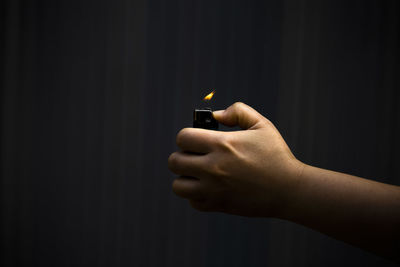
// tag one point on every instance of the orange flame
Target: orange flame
(209, 96)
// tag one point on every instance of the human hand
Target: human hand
(251, 172)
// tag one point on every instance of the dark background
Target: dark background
(94, 92)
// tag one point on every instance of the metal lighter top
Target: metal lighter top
(203, 118)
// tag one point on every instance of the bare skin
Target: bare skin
(253, 173)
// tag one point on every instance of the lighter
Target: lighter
(203, 118)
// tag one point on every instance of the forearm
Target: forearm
(358, 211)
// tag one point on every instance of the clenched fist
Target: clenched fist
(250, 172)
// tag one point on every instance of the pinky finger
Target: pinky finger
(200, 205)
(187, 187)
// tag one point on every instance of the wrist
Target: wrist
(290, 189)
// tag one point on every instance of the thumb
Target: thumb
(239, 114)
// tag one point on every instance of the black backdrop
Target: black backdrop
(93, 93)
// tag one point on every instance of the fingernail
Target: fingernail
(218, 112)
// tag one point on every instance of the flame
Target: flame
(209, 96)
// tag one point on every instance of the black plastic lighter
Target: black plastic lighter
(203, 118)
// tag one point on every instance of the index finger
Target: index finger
(196, 140)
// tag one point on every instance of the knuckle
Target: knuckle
(173, 161)
(176, 187)
(238, 105)
(212, 168)
(216, 169)
(180, 137)
(225, 142)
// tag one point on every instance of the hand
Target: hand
(249, 172)
(253, 173)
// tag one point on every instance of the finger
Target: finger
(239, 114)
(187, 164)
(203, 204)
(187, 187)
(196, 140)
